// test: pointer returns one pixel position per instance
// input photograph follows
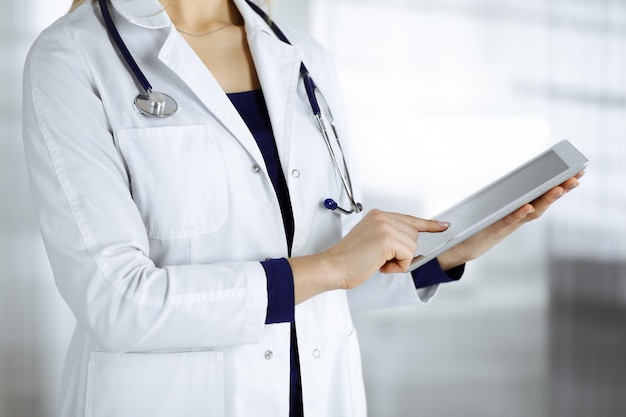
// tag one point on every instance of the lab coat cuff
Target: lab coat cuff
(280, 291)
(431, 274)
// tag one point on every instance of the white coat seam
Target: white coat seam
(56, 164)
(287, 126)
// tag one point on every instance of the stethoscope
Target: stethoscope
(156, 104)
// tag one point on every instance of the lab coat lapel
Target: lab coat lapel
(277, 65)
(183, 61)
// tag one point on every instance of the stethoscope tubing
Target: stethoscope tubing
(345, 177)
(311, 90)
(128, 57)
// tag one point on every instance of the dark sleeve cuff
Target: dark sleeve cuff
(280, 293)
(431, 274)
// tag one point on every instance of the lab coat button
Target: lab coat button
(316, 353)
(269, 354)
(256, 168)
(295, 173)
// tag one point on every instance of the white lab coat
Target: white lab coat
(155, 227)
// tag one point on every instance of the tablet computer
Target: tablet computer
(501, 198)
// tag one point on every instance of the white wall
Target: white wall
(35, 324)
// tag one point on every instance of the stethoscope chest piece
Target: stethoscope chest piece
(155, 104)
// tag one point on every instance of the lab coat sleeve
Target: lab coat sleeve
(95, 238)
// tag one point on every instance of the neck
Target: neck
(199, 16)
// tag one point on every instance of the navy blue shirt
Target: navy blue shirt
(280, 292)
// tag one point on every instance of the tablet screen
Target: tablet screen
(491, 203)
(519, 182)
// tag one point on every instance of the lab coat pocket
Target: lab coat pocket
(187, 384)
(177, 178)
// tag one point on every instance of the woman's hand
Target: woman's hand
(484, 240)
(380, 241)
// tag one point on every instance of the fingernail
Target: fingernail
(444, 224)
(571, 187)
(529, 211)
(559, 195)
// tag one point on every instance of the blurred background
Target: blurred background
(444, 96)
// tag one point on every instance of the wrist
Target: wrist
(453, 258)
(314, 274)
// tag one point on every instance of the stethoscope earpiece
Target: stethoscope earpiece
(332, 205)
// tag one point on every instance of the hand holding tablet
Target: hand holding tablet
(501, 198)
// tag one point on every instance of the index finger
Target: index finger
(429, 225)
(417, 223)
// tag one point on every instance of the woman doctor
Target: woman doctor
(206, 276)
